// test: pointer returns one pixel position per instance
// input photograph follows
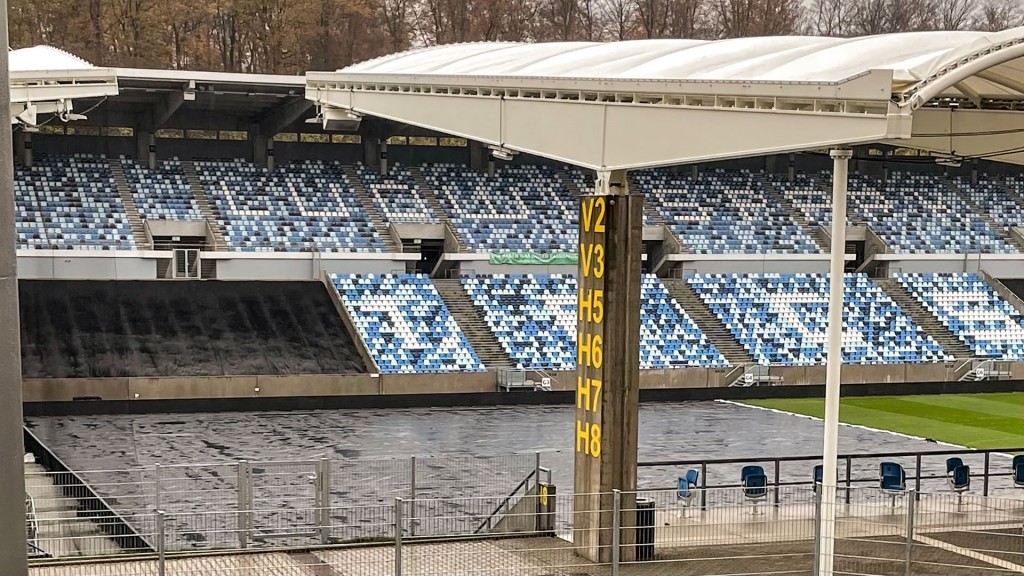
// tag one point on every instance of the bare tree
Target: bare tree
(829, 17)
(740, 18)
(670, 18)
(995, 15)
(619, 17)
(887, 16)
(954, 14)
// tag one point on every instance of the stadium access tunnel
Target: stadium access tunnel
(613, 107)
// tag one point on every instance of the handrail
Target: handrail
(504, 503)
(848, 459)
(950, 452)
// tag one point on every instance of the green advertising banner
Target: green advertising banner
(540, 258)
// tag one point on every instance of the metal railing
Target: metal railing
(618, 533)
(926, 470)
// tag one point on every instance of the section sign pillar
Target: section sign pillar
(607, 366)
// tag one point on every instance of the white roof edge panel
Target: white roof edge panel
(912, 57)
(43, 59)
(224, 77)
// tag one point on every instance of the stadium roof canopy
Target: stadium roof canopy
(662, 102)
(45, 79)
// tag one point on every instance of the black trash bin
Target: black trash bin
(644, 529)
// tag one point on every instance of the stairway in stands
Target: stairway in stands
(798, 215)
(923, 318)
(430, 195)
(997, 227)
(130, 209)
(708, 323)
(472, 323)
(382, 228)
(60, 531)
(205, 208)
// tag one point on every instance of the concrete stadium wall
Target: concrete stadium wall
(83, 265)
(434, 385)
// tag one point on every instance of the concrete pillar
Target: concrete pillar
(791, 169)
(477, 155)
(259, 146)
(23, 147)
(694, 171)
(607, 366)
(12, 447)
(491, 168)
(371, 151)
(974, 171)
(384, 158)
(270, 154)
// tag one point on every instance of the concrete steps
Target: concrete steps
(798, 215)
(205, 208)
(367, 203)
(923, 318)
(472, 323)
(1002, 231)
(708, 323)
(60, 533)
(428, 192)
(130, 209)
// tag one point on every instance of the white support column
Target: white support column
(840, 173)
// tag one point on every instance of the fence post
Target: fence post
(244, 503)
(536, 472)
(817, 530)
(917, 480)
(911, 505)
(703, 486)
(398, 537)
(849, 472)
(616, 529)
(323, 478)
(776, 482)
(161, 544)
(412, 495)
(156, 491)
(984, 490)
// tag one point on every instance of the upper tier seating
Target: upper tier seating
(405, 324)
(808, 195)
(534, 318)
(993, 197)
(396, 195)
(723, 212)
(161, 194)
(782, 319)
(920, 213)
(972, 310)
(520, 208)
(302, 206)
(70, 203)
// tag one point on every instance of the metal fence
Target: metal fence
(646, 533)
(251, 504)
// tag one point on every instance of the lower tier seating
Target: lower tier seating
(405, 324)
(534, 317)
(972, 310)
(782, 319)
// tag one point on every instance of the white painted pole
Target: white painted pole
(830, 451)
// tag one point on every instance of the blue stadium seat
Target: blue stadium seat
(892, 479)
(723, 212)
(972, 310)
(397, 197)
(686, 488)
(755, 484)
(1017, 468)
(300, 207)
(405, 324)
(781, 319)
(520, 208)
(534, 318)
(958, 476)
(70, 203)
(163, 193)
